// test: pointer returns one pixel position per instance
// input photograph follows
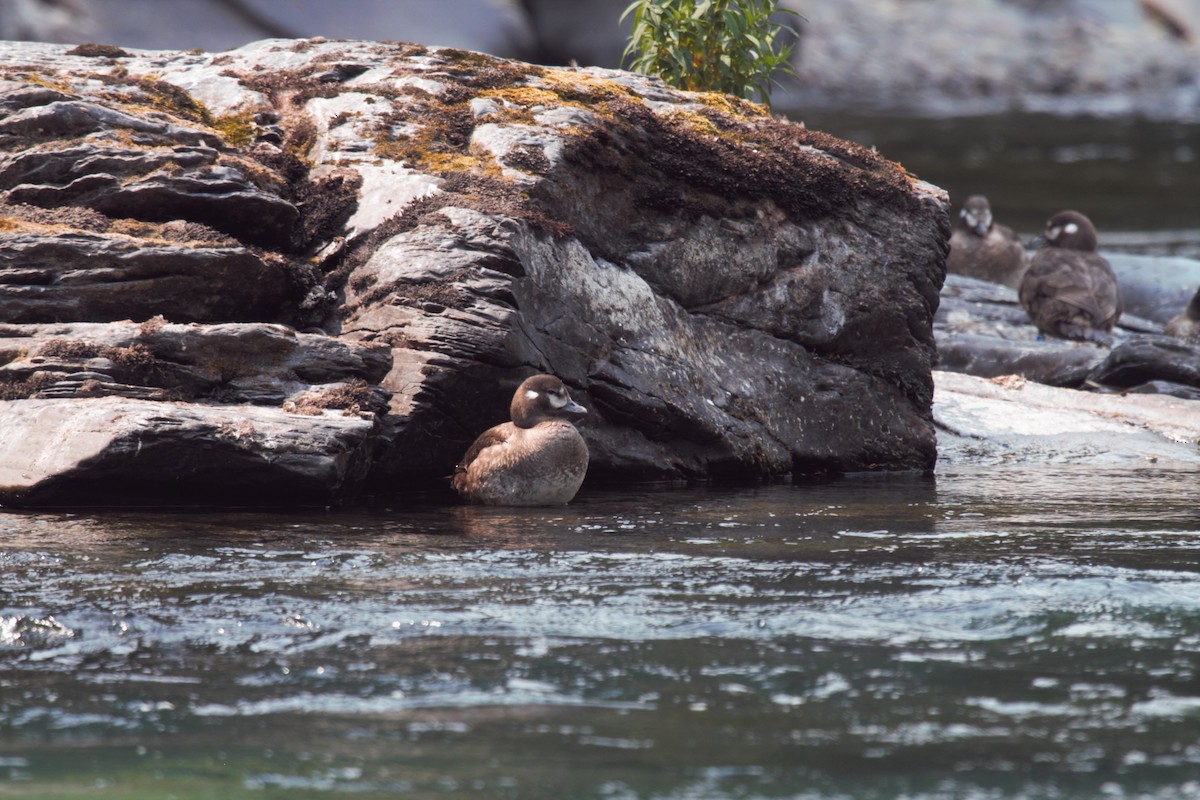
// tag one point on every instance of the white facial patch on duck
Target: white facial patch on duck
(531, 394)
(1053, 233)
(559, 400)
(1071, 228)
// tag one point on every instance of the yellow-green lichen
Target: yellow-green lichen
(168, 97)
(697, 123)
(580, 86)
(238, 130)
(39, 79)
(733, 106)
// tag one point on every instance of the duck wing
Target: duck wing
(492, 437)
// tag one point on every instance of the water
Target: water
(1128, 175)
(1004, 633)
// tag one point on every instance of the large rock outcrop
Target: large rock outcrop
(728, 293)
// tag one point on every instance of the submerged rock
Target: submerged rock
(728, 293)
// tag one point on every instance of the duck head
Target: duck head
(1070, 230)
(542, 398)
(976, 215)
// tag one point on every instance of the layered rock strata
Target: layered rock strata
(392, 236)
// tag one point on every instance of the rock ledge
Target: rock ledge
(729, 294)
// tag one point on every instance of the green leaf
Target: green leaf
(730, 46)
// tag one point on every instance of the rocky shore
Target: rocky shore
(302, 271)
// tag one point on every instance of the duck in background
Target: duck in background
(1070, 291)
(1186, 324)
(538, 459)
(979, 248)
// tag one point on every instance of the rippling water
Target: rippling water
(999, 634)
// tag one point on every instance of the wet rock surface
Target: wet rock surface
(728, 293)
(125, 450)
(1010, 420)
(983, 331)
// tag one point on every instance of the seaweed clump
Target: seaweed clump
(705, 161)
(93, 50)
(353, 397)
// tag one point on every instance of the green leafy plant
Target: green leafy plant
(729, 46)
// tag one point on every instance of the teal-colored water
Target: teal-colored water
(1003, 633)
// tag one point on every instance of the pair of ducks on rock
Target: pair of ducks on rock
(1068, 289)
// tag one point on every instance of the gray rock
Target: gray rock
(1155, 287)
(981, 331)
(254, 363)
(730, 294)
(92, 277)
(120, 451)
(1150, 359)
(714, 324)
(123, 164)
(64, 117)
(1014, 422)
(1063, 56)
(487, 25)
(1054, 362)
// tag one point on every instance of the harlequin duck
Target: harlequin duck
(1186, 324)
(538, 459)
(979, 248)
(1069, 290)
